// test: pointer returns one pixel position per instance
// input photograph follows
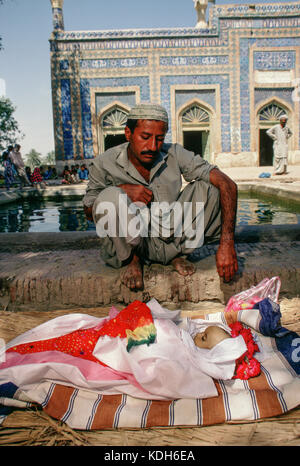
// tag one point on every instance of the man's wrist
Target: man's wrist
(227, 239)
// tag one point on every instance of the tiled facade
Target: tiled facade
(247, 58)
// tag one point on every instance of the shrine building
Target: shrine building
(224, 82)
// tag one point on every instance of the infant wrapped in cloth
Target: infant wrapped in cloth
(181, 362)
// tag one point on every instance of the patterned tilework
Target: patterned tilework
(205, 95)
(57, 120)
(64, 65)
(263, 94)
(104, 99)
(194, 61)
(85, 87)
(219, 54)
(281, 60)
(57, 15)
(222, 80)
(114, 63)
(67, 118)
(245, 44)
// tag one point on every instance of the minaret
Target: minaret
(201, 7)
(57, 15)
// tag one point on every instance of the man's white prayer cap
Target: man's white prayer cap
(284, 117)
(148, 111)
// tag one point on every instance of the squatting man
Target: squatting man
(145, 172)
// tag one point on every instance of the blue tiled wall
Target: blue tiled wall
(245, 44)
(187, 56)
(67, 118)
(87, 84)
(104, 99)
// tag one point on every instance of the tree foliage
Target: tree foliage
(1, 3)
(33, 159)
(9, 129)
(50, 158)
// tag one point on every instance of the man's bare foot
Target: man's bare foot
(183, 266)
(132, 277)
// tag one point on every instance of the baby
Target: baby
(211, 336)
(217, 340)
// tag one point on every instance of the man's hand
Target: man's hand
(226, 261)
(137, 192)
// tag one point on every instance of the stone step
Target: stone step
(69, 278)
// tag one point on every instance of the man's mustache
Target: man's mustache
(149, 152)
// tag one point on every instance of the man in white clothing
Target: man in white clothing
(280, 134)
(16, 158)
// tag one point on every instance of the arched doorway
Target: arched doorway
(195, 126)
(112, 125)
(268, 116)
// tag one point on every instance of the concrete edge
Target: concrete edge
(22, 241)
(279, 190)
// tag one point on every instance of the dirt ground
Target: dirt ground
(36, 428)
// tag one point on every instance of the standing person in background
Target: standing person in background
(280, 134)
(16, 159)
(9, 176)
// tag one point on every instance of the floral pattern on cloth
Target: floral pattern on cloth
(135, 323)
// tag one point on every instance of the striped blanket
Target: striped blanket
(275, 391)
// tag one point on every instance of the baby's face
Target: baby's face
(210, 337)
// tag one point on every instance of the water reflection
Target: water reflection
(44, 216)
(253, 211)
(68, 215)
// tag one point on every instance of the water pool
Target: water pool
(38, 215)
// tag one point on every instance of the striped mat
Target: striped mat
(274, 392)
(253, 399)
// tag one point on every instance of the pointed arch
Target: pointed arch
(194, 124)
(111, 124)
(272, 107)
(267, 114)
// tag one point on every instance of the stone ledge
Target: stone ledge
(82, 240)
(49, 280)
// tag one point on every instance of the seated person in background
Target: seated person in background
(83, 173)
(54, 174)
(37, 178)
(74, 173)
(66, 169)
(69, 177)
(48, 173)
